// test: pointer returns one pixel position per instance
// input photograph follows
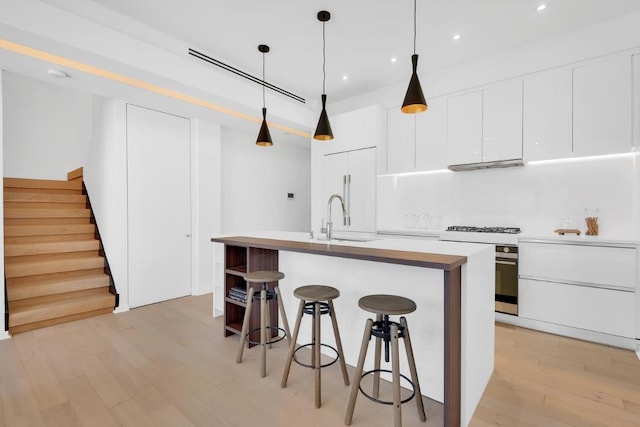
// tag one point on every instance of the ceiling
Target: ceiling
(362, 35)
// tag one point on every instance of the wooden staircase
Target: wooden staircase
(55, 269)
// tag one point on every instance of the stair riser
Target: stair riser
(42, 230)
(51, 322)
(52, 238)
(46, 213)
(22, 249)
(58, 266)
(43, 205)
(53, 311)
(41, 184)
(33, 197)
(21, 292)
(45, 221)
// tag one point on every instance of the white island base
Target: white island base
(355, 278)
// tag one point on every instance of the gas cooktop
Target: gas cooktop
(471, 229)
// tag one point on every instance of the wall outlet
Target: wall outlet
(291, 196)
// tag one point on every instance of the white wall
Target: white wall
(256, 180)
(105, 175)
(3, 333)
(47, 129)
(534, 197)
(206, 188)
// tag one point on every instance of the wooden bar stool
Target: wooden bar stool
(315, 300)
(390, 332)
(265, 295)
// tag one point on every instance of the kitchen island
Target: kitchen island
(452, 284)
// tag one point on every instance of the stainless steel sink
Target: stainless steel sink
(347, 239)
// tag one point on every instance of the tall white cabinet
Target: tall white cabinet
(351, 174)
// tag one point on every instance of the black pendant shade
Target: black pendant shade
(323, 130)
(414, 101)
(264, 136)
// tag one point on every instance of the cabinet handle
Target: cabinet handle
(506, 262)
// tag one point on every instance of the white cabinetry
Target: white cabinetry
(547, 115)
(431, 136)
(602, 106)
(417, 142)
(464, 128)
(351, 174)
(502, 122)
(486, 125)
(579, 285)
(636, 101)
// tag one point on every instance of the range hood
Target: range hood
(487, 165)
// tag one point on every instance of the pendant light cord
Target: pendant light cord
(415, 9)
(324, 59)
(263, 82)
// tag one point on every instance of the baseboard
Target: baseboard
(4, 335)
(122, 308)
(202, 291)
(567, 331)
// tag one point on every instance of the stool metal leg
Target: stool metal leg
(245, 323)
(316, 352)
(263, 332)
(413, 370)
(395, 374)
(336, 334)
(376, 360)
(283, 314)
(358, 374)
(292, 346)
(268, 330)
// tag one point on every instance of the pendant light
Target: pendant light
(264, 137)
(323, 130)
(414, 101)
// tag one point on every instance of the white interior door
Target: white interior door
(159, 211)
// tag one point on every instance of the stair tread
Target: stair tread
(49, 258)
(36, 289)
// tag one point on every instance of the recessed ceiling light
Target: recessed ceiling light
(456, 37)
(57, 73)
(345, 77)
(394, 59)
(541, 7)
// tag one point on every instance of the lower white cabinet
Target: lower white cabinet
(594, 309)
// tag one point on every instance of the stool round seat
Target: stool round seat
(316, 293)
(263, 276)
(387, 304)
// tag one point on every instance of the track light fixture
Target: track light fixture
(264, 136)
(414, 101)
(323, 130)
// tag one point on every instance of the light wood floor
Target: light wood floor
(168, 365)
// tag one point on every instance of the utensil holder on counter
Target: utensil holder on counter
(591, 220)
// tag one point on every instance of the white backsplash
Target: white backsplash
(535, 197)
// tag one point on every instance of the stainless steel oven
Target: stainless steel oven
(507, 279)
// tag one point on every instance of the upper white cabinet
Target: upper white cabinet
(401, 141)
(636, 101)
(486, 125)
(602, 100)
(352, 175)
(431, 136)
(502, 122)
(464, 128)
(547, 113)
(417, 141)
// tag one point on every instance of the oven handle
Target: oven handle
(506, 262)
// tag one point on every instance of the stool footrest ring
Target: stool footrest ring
(272, 340)
(386, 402)
(295, 359)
